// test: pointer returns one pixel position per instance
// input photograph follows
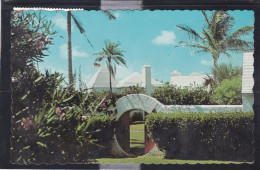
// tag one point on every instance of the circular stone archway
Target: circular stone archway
(124, 106)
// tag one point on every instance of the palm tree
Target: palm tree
(113, 56)
(82, 31)
(216, 38)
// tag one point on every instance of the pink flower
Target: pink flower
(61, 116)
(40, 45)
(83, 118)
(103, 105)
(40, 35)
(59, 113)
(26, 123)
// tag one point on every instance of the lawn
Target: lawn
(137, 138)
(161, 160)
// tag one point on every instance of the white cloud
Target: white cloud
(61, 21)
(205, 62)
(76, 52)
(116, 15)
(166, 38)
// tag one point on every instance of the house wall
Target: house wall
(248, 101)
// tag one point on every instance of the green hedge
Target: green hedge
(215, 136)
(170, 95)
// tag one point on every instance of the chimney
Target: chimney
(146, 75)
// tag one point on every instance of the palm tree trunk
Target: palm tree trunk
(110, 77)
(215, 58)
(69, 49)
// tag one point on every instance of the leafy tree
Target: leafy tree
(82, 31)
(113, 56)
(229, 91)
(220, 73)
(216, 38)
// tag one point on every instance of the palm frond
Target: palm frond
(191, 32)
(109, 15)
(241, 32)
(78, 24)
(99, 58)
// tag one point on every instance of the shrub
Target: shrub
(229, 91)
(170, 95)
(215, 136)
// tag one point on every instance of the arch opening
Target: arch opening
(131, 133)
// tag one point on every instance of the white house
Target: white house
(195, 79)
(248, 81)
(100, 80)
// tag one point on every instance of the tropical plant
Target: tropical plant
(113, 56)
(222, 72)
(229, 91)
(30, 36)
(82, 31)
(216, 38)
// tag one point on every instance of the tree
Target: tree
(220, 73)
(113, 56)
(216, 37)
(82, 31)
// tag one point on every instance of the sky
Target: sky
(147, 37)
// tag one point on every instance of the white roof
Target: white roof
(248, 70)
(101, 79)
(182, 81)
(137, 79)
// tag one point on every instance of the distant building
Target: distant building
(195, 79)
(100, 80)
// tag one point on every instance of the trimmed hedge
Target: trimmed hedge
(211, 136)
(171, 94)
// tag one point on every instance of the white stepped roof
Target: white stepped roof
(248, 70)
(136, 79)
(101, 79)
(182, 81)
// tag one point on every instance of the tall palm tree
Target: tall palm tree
(82, 31)
(113, 56)
(216, 37)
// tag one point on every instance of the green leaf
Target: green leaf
(24, 96)
(41, 144)
(26, 147)
(68, 99)
(38, 79)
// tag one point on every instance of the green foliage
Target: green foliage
(170, 95)
(211, 136)
(222, 72)
(30, 36)
(229, 91)
(216, 37)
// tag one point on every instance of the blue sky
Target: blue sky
(147, 37)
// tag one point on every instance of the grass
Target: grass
(161, 160)
(137, 138)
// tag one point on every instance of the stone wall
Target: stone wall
(150, 104)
